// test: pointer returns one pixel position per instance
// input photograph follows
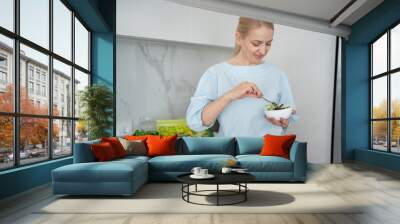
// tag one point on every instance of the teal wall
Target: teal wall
(100, 17)
(103, 52)
(24, 178)
(356, 101)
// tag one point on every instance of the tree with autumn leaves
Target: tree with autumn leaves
(380, 127)
(34, 130)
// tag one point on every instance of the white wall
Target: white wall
(306, 57)
(159, 19)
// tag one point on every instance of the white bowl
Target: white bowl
(278, 114)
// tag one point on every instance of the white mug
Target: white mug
(196, 170)
(203, 172)
(226, 170)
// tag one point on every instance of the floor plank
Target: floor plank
(376, 188)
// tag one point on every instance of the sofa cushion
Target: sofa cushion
(134, 137)
(134, 147)
(208, 145)
(103, 152)
(111, 171)
(161, 145)
(257, 163)
(277, 145)
(116, 145)
(249, 145)
(132, 158)
(185, 163)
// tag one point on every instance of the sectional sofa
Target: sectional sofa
(125, 176)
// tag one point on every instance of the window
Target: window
(3, 78)
(38, 89)
(62, 29)
(30, 88)
(44, 131)
(3, 61)
(81, 45)
(30, 72)
(62, 140)
(37, 74)
(7, 14)
(43, 90)
(385, 91)
(62, 75)
(7, 142)
(81, 81)
(6, 74)
(35, 21)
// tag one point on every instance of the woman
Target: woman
(232, 92)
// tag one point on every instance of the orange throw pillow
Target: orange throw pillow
(103, 151)
(276, 145)
(135, 138)
(116, 145)
(161, 145)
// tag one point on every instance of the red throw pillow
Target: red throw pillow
(134, 137)
(161, 145)
(103, 151)
(116, 145)
(276, 145)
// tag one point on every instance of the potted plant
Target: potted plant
(96, 102)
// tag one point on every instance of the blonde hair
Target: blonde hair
(245, 25)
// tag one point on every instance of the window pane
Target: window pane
(395, 94)
(395, 136)
(81, 81)
(379, 135)
(7, 14)
(62, 29)
(62, 138)
(35, 21)
(33, 140)
(34, 78)
(379, 55)
(6, 74)
(62, 89)
(379, 97)
(81, 45)
(81, 131)
(6, 142)
(395, 47)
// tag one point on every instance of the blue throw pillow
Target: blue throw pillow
(208, 145)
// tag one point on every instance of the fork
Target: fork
(267, 99)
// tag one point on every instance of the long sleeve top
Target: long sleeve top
(242, 117)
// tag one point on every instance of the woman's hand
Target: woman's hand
(244, 89)
(282, 122)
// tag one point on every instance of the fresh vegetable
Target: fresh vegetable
(276, 106)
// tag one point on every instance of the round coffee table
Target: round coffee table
(238, 179)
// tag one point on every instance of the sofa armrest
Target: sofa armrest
(83, 152)
(298, 155)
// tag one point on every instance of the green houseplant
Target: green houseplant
(96, 102)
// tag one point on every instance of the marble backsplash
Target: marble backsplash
(155, 79)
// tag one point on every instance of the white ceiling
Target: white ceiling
(314, 15)
(319, 9)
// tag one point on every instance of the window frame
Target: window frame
(388, 74)
(16, 114)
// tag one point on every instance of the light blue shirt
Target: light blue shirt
(242, 117)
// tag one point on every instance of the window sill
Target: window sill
(17, 169)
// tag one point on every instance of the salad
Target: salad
(276, 106)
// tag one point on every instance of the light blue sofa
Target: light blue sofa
(125, 176)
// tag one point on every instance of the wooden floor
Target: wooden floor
(353, 182)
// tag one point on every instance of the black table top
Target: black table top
(220, 178)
